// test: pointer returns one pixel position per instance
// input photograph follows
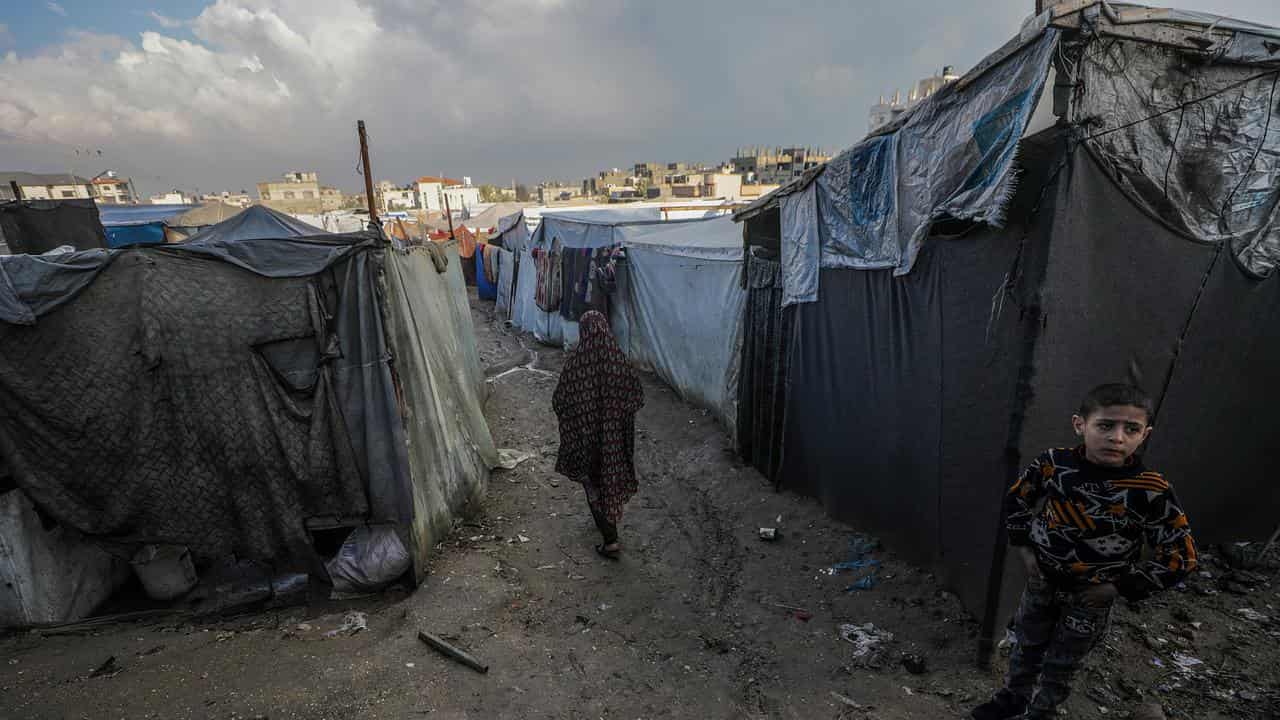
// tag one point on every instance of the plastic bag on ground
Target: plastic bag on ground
(370, 558)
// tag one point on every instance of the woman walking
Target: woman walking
(596, 403)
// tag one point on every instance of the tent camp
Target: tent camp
(928, 308)
(235, 394)
(677, 306)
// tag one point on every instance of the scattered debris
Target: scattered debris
(1185, 662)
(769, 534)
(844, 700)
(522, 538)
(1253, 615)
(108, 668)
(352, 623)
(865, 638)
(915, 664)
(860, 548)
(452, 652)
(508, 459)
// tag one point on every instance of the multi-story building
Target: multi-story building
(42, 186)
(110, 189)
(780, 165)
(295, 192)
(885, 112)
(432, 192)
(707, 184)
(226, 197)
(390, 197)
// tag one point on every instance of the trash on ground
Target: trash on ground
(860, 549)
(915, 664)
(865, 638)
(769, 534)
(352, 623)
(372, 557)
(107, 669)
(1251, 614)
(508, 459)
(452, 652)
(1185, 662)
(845, 700)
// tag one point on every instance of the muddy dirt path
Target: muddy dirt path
(699, 619)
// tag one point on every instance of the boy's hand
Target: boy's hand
(1099, 596)
(1029, 562)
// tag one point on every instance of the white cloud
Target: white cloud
(276, 83)
(56, 8)
(164, 21)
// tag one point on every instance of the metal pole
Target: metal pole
(368, 172)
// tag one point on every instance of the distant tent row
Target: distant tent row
(675, 300)
(234, 394)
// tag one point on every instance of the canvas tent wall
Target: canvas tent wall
(923, 368)
(678, 305)
(257, 370)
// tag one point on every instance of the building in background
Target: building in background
(173, 197)
(433, 190)
(779, 165)
(300, 192)
(42, 186)
(226, 197)
(390, 197)
(885, 112)
(111, 189)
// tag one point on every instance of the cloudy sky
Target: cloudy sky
(222, 95)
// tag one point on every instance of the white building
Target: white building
(172, 197)
(883, 113)
(432, 192)
(41, 186)
(111, 189)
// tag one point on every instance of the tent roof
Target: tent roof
(210, 213)
(257, 222)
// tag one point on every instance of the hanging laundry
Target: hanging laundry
(577, 268)
(548, 289)
(602, 277)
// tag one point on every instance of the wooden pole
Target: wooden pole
(17, 190)
(368, 172)
(448, 214)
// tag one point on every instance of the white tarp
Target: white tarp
(683, 307)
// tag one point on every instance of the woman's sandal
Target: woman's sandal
(610, 554)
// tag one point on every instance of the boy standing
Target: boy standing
(1078, 520)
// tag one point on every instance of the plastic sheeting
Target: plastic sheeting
(951, 157)
(506, 279)
(49, 575)
(256, 223)
(1195, 144)
(684, 305)
(485, 290)
(450, 449)
(762, 388)
(38, 226)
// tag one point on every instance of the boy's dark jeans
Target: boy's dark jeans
(1055, 630)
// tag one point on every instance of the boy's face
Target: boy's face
(1112, 434)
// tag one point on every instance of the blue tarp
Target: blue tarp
(484, 289)
(952, 156)
(137, 224)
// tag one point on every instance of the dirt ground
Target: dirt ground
(699, 619)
